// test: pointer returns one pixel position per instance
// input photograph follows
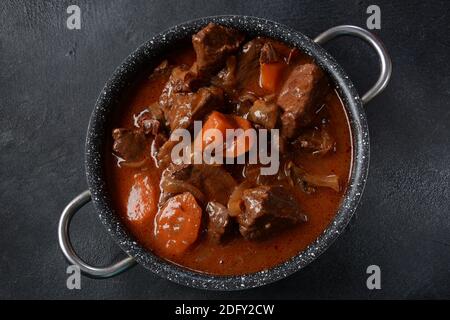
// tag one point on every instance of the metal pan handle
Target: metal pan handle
(385, 60)
(70, 254)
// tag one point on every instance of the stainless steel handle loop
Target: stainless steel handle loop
(385, 60)
(70, 254)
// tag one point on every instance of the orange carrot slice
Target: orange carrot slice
(270, 74)
(177, 224)
(222, 122)
(142, 202)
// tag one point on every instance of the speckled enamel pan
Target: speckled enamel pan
(145, 58)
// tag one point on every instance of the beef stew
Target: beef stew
(230, 219)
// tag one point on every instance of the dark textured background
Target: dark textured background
(49, 80)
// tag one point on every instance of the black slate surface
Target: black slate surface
(50, 78)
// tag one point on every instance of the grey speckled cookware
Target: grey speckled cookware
(144, 58)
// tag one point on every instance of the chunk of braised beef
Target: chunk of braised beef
(300, 97)
(248, 63)
(129, 144)
(215, 181)
(226, 78)
(150, 119)
(241, 104)
(163, 153)
(264, 113)
(184, 79)
(180, 80)
(203, 102)
(219, 221)
(212, 45)
(268, 209)
(176, 84)
(158, 142)
(182, 109)
(205, 182)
